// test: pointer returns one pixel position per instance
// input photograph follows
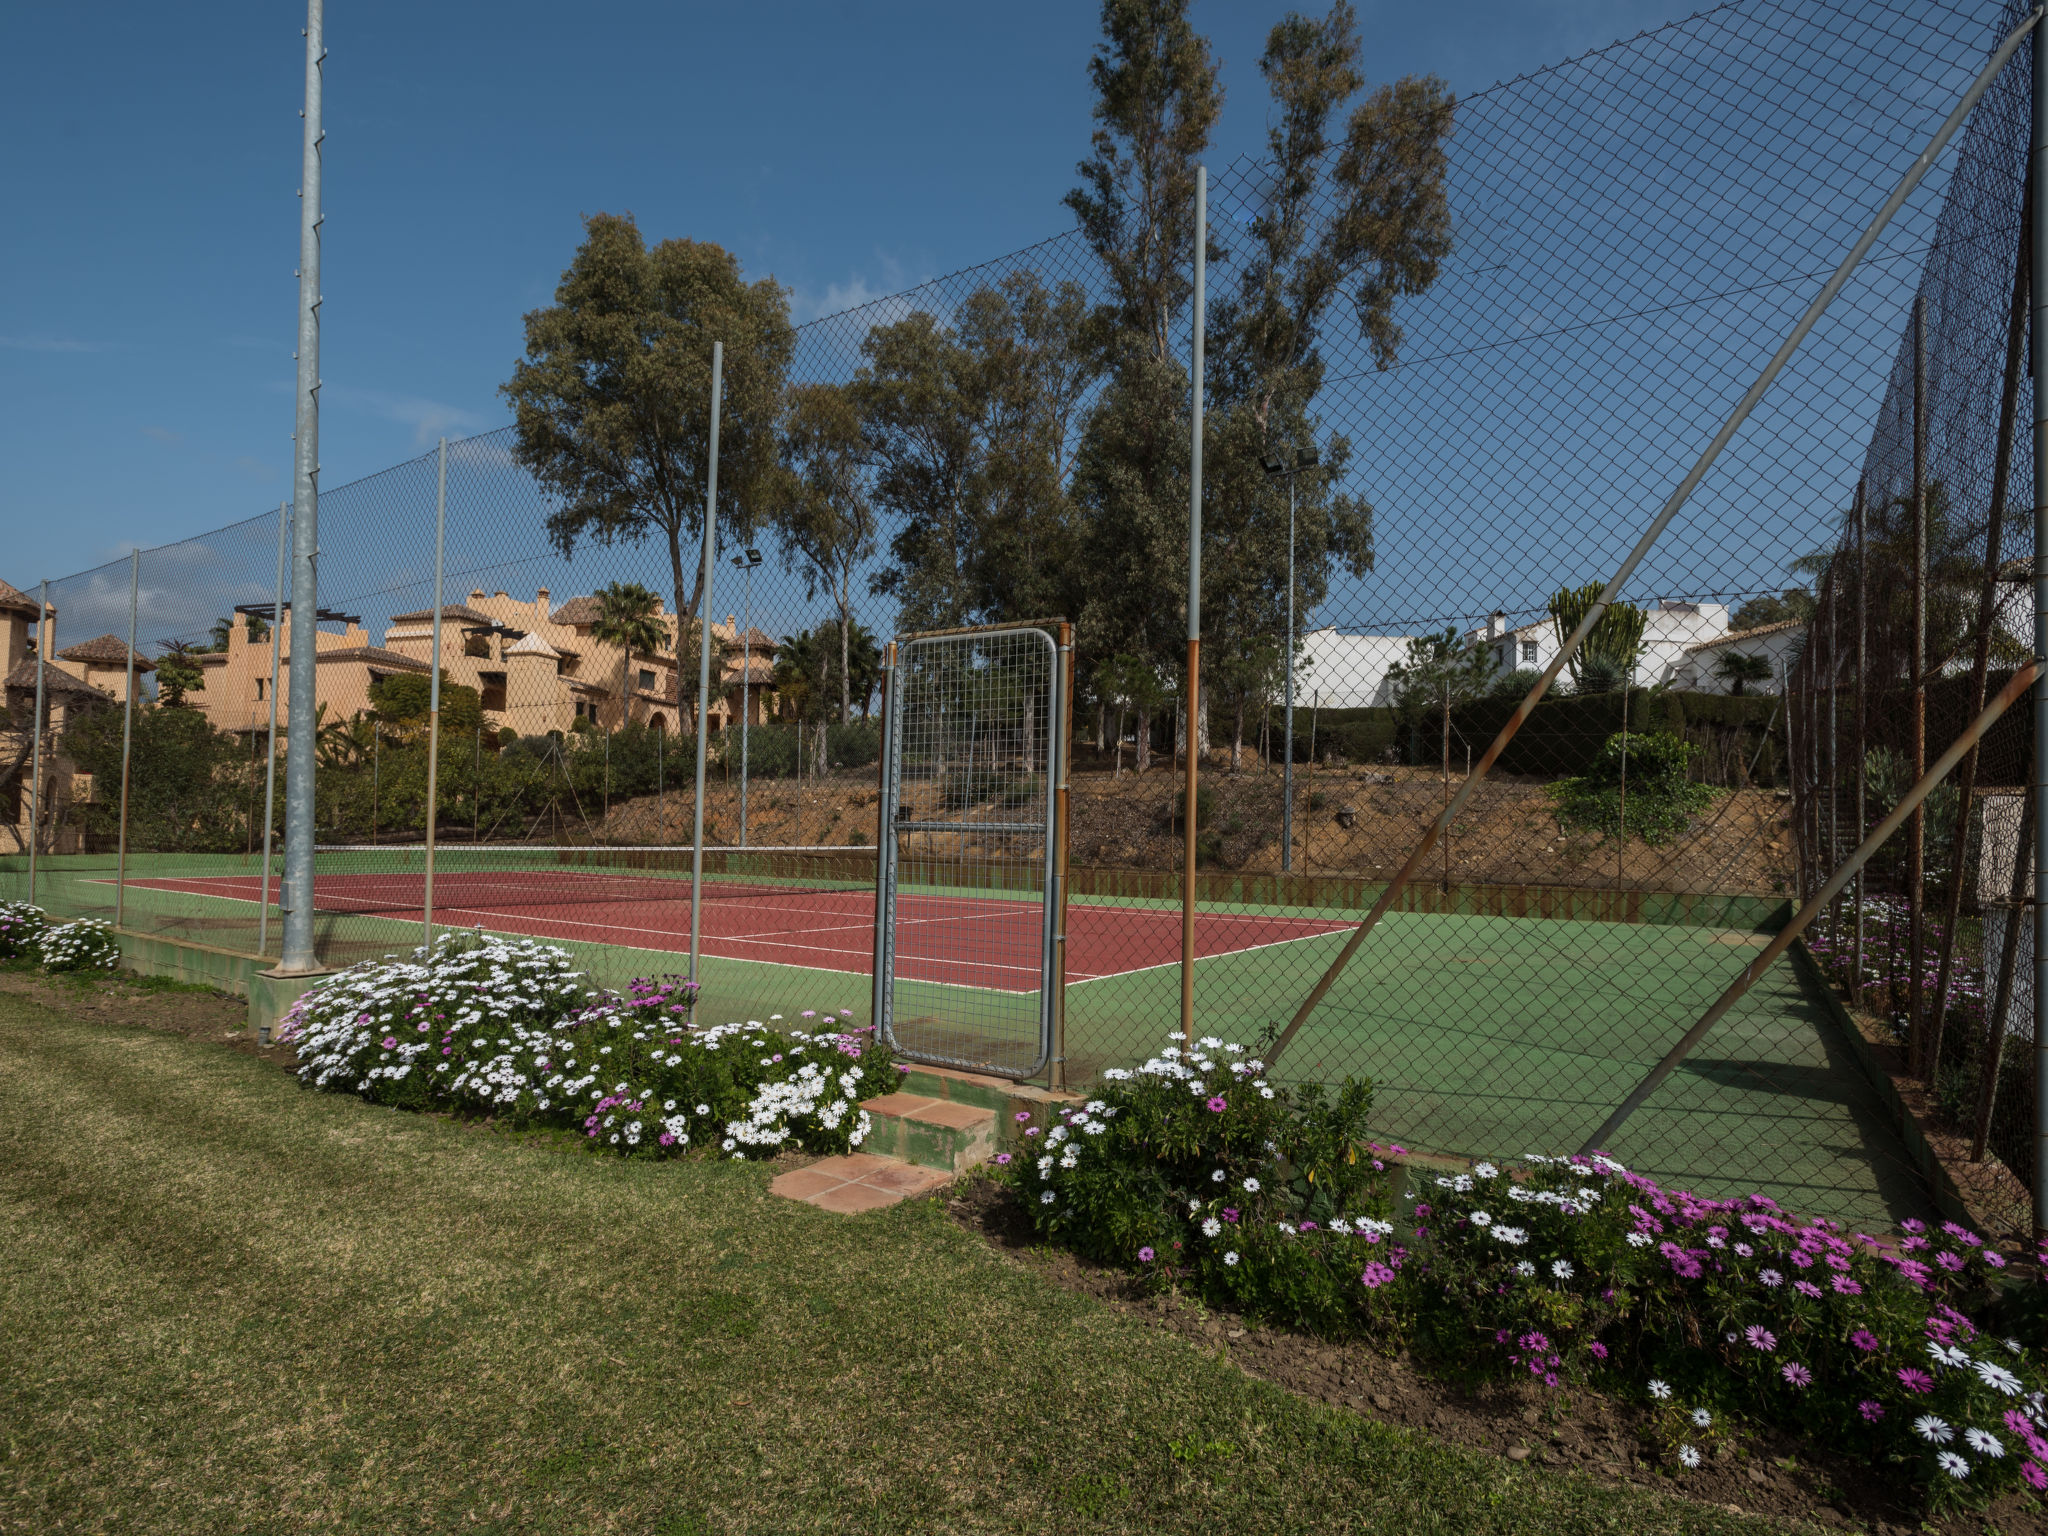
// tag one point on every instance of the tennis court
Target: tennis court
(1483, 1034)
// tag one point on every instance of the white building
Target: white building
(1347, 671)
(1670, 630)
(1777, 644)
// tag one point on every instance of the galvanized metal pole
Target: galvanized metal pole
(1194, 667)
(1678, 498)
(1916, 829)
(2038, 281)
(127, 738)
(299, 786)
(1287, 756)
(270, 757)
(704, 658)
(46, 636)
(434, 695)
(885, 849)
(2025, 678)
(746, 699)
(1061, 767)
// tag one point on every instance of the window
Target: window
(261, 684)
(1528, 653)
(646, 678)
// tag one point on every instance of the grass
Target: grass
(230, 1305)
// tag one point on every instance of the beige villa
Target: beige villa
(92, 674)
(537, 668)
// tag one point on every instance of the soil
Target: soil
(198, 1013)
(1769, 1475)
(1349, 820)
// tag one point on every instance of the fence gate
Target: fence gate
(970, 909)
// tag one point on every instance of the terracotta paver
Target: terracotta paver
(897, 1105)
(860, 1181)
(959, 1117)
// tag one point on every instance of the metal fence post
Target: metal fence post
(270, 755)
(1194, 667)
(299, 804)
(704, 659)
(434, 696)
(46, 636)
(2037, 175)
(127, 737)
(1916, 829)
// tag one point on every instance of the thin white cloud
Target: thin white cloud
(428, 419)
(163, 434)
(890, 277)
(51, 344)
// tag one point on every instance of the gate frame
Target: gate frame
(1059, 764)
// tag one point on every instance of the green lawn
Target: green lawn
(228, 1305)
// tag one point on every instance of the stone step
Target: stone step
(1015, 1104)
(930, 1132)
(860, 1181)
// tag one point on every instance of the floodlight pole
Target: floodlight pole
(434, 697)
(2037, 171)
(1194, 669)
(298, 957)
(127, 737)
(46, 636)
(704, 660)
(270, 757)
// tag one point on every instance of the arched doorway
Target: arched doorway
(658, 722)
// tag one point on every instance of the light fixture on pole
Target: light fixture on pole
(1304, 460)
(747, 562)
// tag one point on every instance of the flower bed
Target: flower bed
(86, 945)
(506, 1027)
(1716, 1315)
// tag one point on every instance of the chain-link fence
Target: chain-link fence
(1395, 543)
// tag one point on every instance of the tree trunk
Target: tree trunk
(1237, 739)
(845, 664)
(1144, 739)
(1119, 773)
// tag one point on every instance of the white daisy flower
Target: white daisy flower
(1687, 1456)
(1046, 1198)
(1212, 1228)
(1485, 1170)
(1701, 1417)
(1230, 1259)
(1561, 1268)
(1639, 1239)
(1984, 1443)
(1953, 1465)
(1933, 1430)
(1525, 1269)
(1999, 1378)
(1251, 1186)
(1661, 1390)
(1481, 1219)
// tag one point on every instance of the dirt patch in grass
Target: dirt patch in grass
(154, 1002)
(1770, 1475)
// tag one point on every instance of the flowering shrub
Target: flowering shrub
(506, 1027)
(1195, 1165)
(1716, 1314)
(86, 945)
(21, 927)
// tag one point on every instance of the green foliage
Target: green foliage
(1797, 603)
(1184, 1167)
(405, 699)
(189, 786)
(613, 398)
(21, 928)
(1640, 776)
(1441, 670)
(177, 676)
(86, 945)
(1738, 669)
(1606, 659)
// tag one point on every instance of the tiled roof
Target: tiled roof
(55, 680)
(110, 650)
(375, 655)
(754, 640)
(532, 645)
(578, 610)
(1747, 634)
(13, 600)
(448, 611)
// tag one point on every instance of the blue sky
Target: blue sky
(151, 154)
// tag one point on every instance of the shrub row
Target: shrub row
(27, 934)
(1903, 1348)
(505, 1027)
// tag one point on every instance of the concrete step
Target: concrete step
(930, 1132)
(860, 1181)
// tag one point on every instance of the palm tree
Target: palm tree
(1739, 668)
(626, 618)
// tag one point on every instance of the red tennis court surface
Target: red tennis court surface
(971, 941)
